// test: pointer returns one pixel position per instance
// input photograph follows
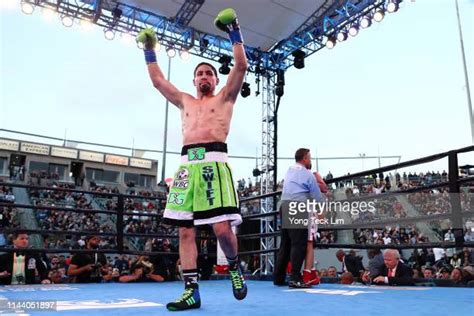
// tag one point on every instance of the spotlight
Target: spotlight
(342, 36)
(354, 30)
(225, 61)
(299, 56)
(185, 55)
(365, 22)
(379, 15)
(109, 34)
(245, 91)
(171, 52)
(67, 21)
(27, 8)
(116, 13)
(331, 42)
(203, 43)
(393, 6)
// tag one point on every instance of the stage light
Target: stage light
(109, 34)
(185, 55)
(67, 21)
(27, 8)
(225, 61)
(299, 56)
(342, 36)
(393, 6)
(379, 15)
(365, 22)
(48, 14)
(116, 13)
(245, 91)
(354, 30)
(171, 52)
(331, 42)
(203, 43)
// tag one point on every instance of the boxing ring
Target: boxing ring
(263, 299)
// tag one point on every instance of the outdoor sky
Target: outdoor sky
(397, 88)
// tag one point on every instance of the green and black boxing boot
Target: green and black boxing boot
(239, 288)
(190, 298)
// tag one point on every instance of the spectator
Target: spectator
(376, 261)
(350, 263)
(457, 276)
(89, 267)
(20, 267)
(332, 272)
(347, 278)
(428, 273)
(394, 272)
(455, 261)
(141, 271)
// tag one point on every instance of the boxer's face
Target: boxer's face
(205, 80)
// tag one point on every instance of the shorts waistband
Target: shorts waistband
(214, 146)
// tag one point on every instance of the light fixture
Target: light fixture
(224, 61)
(379, 15)
(393, 6)
(203, 43)
(245, 90)
(365, 22)
(171, 52)
(299, 56)
(67, 21)
(354, 30)
(116, 13)
(331, 42)
(185, 55)
(341, 36)
(27, 8)
(109, 34)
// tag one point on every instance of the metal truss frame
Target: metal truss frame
(268, 169)
(333, 16)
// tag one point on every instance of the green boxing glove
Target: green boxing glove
(227, 21)
(148, 38)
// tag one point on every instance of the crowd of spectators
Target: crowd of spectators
(8, 214)
(425, 266)
(407, 235)
(62, 220)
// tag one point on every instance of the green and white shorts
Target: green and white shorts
(203, 190)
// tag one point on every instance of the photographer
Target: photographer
(89, 267)
(142, 271)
